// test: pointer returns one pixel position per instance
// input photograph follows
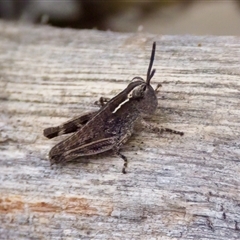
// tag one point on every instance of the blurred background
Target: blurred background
(198, 17)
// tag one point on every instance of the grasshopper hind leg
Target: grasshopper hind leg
(74, 124)
(93, 148)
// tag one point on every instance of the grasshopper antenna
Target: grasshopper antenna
(149, 72)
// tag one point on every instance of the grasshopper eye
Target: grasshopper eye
(138, 92)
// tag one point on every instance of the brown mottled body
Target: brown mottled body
(111, 126)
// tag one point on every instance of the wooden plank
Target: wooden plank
(176, 187)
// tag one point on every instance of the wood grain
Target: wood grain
(176, 187)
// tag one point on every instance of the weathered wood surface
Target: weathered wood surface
(176, 187)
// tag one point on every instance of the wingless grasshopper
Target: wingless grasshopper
(111, 126)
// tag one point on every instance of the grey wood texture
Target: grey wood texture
(176, 187)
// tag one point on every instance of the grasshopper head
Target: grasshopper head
(143, 94)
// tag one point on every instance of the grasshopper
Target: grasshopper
(111, 126)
